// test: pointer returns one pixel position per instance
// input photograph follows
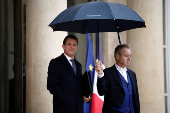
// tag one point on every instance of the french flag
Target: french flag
(97, 101)
(96, 104)
(90, 66)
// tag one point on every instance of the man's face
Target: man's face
(70, 47)
(124, 59)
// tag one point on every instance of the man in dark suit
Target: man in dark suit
(118, 84)
(64, 79)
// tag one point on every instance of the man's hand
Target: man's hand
(99, 68)
(86, 99)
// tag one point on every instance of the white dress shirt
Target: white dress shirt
(68, 58)
(121, 70)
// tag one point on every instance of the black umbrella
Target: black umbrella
(98, 16)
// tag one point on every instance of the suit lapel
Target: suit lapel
(115, 74)
(78, 68)
(122, 78)
(66, 63)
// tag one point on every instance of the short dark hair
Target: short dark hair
(70, 36)
(119, 48)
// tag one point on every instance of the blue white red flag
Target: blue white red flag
(90, 65)
(97, 101)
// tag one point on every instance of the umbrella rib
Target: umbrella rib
(77, 10)
(110, 10)
(118, 28)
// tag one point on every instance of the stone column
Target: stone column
(147, 55)
(42, 44)
(111, 40)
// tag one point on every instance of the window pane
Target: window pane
(11, 66)
(166, 105)
(11, 83)
(165, 86)
(10, 26)
(164, 38)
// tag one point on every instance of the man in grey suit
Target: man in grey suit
(65, 79)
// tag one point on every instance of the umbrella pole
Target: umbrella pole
(98, 49)
(118, 32)
(97, 42)
(119, 37)
(97, 46)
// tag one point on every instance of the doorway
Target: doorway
(12, 46)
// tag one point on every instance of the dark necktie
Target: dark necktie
(73, 65)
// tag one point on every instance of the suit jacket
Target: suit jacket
(65, 86)
(112, 88)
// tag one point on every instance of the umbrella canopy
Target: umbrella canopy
(98, 16)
